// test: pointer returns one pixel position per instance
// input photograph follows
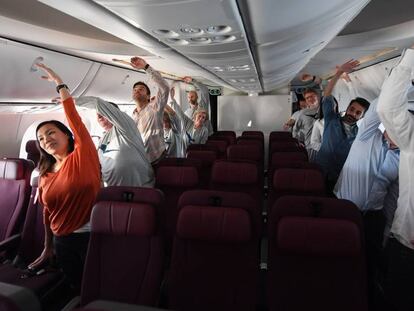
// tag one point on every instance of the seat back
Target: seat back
(173, 181)
(14, 193)
(253, 133)
(316, 254)
(221, 146)
(33, 234)
(280, 136)
(230, 134)
(288, 181)
(215, 256)
(230, 139)
(33, 153)
(207, 158)
(239, 176)
(245, 152)
(125, 258)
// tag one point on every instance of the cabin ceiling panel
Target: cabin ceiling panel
(21, 80)
(113, 84)
(369, 47)
(105, 18)
(205, 31)
(287, 34)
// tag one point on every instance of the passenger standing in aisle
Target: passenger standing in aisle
(69, 184)
(148, 114)
(339, 132)
(121, 151)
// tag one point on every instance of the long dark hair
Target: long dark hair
(46, 160)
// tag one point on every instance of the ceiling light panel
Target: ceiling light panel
(206, 31)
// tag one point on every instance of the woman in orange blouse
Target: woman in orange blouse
(69, 183)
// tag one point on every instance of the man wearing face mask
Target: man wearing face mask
(339, 132)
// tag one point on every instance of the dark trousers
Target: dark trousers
(399, 276)
(374, 225)
(70, 254)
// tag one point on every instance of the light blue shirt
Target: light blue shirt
(335, 142)
(384, 191)
(364, 160)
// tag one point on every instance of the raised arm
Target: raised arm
(369, 123)
(344, 68)
(120, 120)
(204, 99)
(393, 103)
(187, 123)
(161, 98)
(75, 122)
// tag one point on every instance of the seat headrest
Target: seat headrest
(124, 218)
(318, 237)
(213, 197)
(131, 194)
(178, 176)
(15, 169)
(242, 173)
(287, 157)
(246, 152)
(32, 147)
(210, 223)
(300, 180)
(220, 144)
(204, 155)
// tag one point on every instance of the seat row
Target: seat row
(315, 250)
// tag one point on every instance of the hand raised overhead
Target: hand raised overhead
(138, 62)
(51, 75)
(348, 66)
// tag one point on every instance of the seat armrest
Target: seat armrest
(10, 242)
(106, 305)
(18, 297)
(74, 303)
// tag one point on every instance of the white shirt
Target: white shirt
(302, 129)
(399, 122)
(121, 152)
(317, 134)
(364, 160)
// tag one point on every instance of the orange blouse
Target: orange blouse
(69, 194)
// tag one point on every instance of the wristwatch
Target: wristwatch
(61, 86)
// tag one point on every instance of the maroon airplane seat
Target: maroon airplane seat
(280, 135)
(207, 158)
(124, 262)
(239, 176)
(253, 133)
(291, 181)
(15, 194)
(173, 181)
(215, 255)
(221, 146)
(316, 255)
(30, 247)
(33, 152)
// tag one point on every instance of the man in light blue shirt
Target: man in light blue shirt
(339, 132)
